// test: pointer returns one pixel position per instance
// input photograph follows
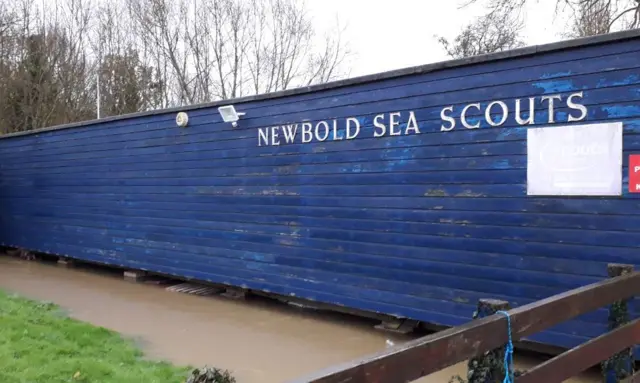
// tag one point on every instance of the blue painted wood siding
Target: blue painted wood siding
(418, 225)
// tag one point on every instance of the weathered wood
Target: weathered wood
(618, 269)
(66, 262)
(235, 293)
(620, 365)
(487, 367)
(583, 357)
(134, 275)
(397, 325)
(27, 255)
(421, 357)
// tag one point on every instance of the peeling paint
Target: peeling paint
(501, 164)
(557, 86)
(202, 190)
(555, 75)
(435, 193)
(279, 193)
(469, 193)
(621, 111)
(626, 81)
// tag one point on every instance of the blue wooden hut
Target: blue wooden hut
(412, 193)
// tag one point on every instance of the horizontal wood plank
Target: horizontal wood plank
(415, 359)
(583, 357)
(622, 105)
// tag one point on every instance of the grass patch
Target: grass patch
(39, 344)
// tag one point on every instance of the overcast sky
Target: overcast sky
(392, 34)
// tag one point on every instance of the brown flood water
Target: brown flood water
(259, 341)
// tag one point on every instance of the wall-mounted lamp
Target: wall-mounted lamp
(182, 119)
(229, 114)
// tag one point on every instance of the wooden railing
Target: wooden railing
(475, 339)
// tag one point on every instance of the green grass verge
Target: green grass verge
(39, 344)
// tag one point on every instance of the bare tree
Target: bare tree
(161, 25)
(128, 83)
(73, 70)
(9, 53)
(219, 49)
(494, 32)
(592, 18)
(218, 45)
(327, 64)
(56, 56)
(48, 66)
(625, 13)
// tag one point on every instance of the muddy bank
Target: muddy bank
(259, 341)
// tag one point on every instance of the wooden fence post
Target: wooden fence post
(489, 367)
(620, 365)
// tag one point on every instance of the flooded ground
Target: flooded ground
(260, 341)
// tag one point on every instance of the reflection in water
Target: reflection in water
(261, 342)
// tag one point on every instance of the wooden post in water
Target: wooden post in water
(487, 368)
(620, 365)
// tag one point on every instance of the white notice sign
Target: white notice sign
(575, 160)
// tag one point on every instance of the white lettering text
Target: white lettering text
(348, 129)
(307, 136)
(532, 114)
(496, 114)
(463, 117)
(573, 105)
(505, 113)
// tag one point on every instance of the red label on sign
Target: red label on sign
(634, 173)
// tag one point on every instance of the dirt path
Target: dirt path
(259, 341)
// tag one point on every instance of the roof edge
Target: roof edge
(415, 70)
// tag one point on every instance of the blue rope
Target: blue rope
(508, 354)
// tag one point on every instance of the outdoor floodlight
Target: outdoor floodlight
(229, 114)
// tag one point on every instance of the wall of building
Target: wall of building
(419, 220)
